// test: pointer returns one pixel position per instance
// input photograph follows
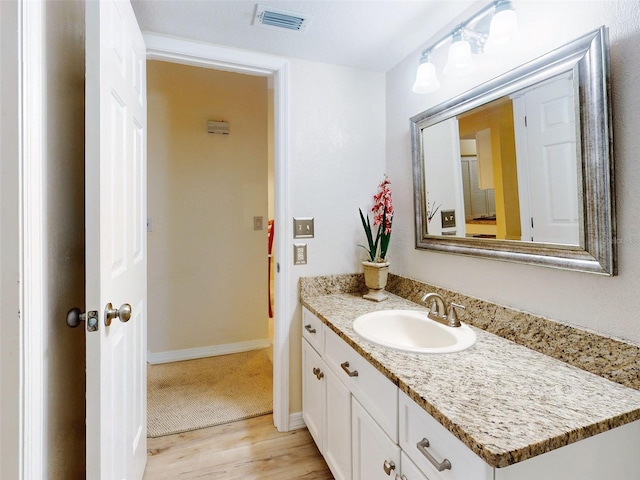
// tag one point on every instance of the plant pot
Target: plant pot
(375, 278)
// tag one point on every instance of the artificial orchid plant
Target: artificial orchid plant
(382, 218)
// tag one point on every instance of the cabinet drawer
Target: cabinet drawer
(312, 329)
(416, 426)
(373, 390)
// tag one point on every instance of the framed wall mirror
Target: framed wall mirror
(520, 168)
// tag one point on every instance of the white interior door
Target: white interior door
(116, 255)
(552, 163)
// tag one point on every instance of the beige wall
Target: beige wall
(207, 265)
(606, 305)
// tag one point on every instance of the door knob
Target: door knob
(75, 317)
(123, 313)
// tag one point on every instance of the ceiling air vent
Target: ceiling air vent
(275, 18)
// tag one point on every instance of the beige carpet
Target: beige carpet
(193, 394)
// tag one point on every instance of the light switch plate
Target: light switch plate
(448, 218)
(302, 227)
(257, 223)
(299, 253)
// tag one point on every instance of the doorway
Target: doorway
(208, 209)
(197, 54)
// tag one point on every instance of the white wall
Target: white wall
(207, 264)
(606, 305)
(336, 160)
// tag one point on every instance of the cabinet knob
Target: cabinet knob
(318, 373)
(388, 466)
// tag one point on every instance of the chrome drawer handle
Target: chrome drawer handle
(318, 373)
(388, 466)
(345, 367)
(310, 329)
(440, 466)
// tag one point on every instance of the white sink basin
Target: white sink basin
(412, 331)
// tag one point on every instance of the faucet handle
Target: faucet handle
(452, 315)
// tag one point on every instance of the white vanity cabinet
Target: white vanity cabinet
(612, 454)
(367, 429)
(326, 402)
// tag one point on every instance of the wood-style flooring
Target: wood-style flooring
(247, 449)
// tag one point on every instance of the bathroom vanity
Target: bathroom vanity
(497, 410)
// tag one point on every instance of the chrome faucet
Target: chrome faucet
(439, 312)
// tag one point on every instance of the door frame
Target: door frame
(198, 54)
(25, 365)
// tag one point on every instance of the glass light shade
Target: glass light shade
(504, 26)
(426, 79)
(459, 62)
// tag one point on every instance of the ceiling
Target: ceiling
(368, 34)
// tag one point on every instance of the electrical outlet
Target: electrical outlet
(257, 223)
(448, 218)
(299, 253)
(302, 227)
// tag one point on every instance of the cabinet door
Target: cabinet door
(409, 470)
(337, 451)
(313, 393)
(374, 455)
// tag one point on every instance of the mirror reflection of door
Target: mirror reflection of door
(546, 131)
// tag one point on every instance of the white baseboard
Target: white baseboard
(155, 358)
(296, 421)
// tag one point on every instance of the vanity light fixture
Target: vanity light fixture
(504, 25)
(466, 39)
(426, 77)
(459, 62)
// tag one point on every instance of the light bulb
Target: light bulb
(459, 62)
(426, 78)
(504, 25)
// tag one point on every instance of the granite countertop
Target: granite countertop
(506, 402)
